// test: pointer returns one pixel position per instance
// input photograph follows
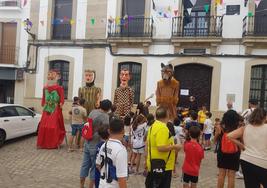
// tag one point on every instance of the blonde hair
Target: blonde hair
(89, 71)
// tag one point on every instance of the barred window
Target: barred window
(63, 68)
(258, 85)
(135, 82)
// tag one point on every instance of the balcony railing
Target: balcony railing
(61, 31)
(131, 27)
(9, 55)
(255, 25)
(10, 3)
(197, 26)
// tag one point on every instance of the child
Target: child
(207, 130)
(137, 139)
(78, 117)
(193, 156)
(127, 130)
(103, 133)
(112, 158)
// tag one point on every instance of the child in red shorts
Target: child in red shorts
(194, 153)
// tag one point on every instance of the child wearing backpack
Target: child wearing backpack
(137, 140)
(228, 153)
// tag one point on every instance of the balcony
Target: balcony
(254, 32)
(61, 31)
(9, 55)
(197, 31)
(129, 31)
(10, 4)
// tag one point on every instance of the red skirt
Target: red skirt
(51, 130)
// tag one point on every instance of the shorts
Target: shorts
(75, 128)
(188, 178)
(207, 136)
(139, 150)
(89, 161)
(201, 126)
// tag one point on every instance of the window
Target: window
(258, 85)
(63, 68)
(62, 17)
(23, 112)
(135, 82)
(8, 111)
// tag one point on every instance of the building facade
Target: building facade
(13, 50)
(218, 50)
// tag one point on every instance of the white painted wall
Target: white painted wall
(42, 29)
(76, 53)
(81, 19)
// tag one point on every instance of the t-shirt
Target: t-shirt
(100, 118)
(127, 130)
(171, 160)
(246, 114)
(159, 136)
(138, 136)
(194, 153)
(179, 134)
(209, 126)
(117, 155)
(201, 117)
(78, 114)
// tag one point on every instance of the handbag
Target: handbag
(87, 131)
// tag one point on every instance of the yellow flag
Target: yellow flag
(71, 21)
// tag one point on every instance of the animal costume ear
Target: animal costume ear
(162, 65)
(170, 65)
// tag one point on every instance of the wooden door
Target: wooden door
(8, 44)
(196, 79)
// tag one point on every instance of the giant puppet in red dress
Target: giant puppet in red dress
(51, 130)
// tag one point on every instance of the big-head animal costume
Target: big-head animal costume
(51, 130)
(90, 93)
(168, 90)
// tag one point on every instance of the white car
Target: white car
(16, 121)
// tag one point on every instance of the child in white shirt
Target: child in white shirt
(207, 130)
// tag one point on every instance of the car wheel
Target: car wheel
(2, 137)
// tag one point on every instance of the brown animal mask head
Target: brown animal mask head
(166, 72)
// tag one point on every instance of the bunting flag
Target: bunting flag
(169, 8)
(257, 2)
(189, 10)
(206, 8)
(193, 2)
(71, 21)
(219, 2)
(42, 23)
(153, 5)
(175, 12)
(25, 3)
(92, 21)
(250, 14)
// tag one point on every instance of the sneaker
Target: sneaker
(239, 175)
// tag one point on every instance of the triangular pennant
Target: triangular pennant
(250, 14)
(71, 21)
(153, 5)
(218, 2)
(117, 20)
(175, 12)
(92, 21)
(24, 3)
(189, 10)
(42, 23)
(206, 8)
(193, 2)
(257, 2)
(169, 8)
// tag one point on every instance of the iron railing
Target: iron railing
(131, 27)
(197, 26)
(10, 3)
(255, 25)
(61, 31)
(9, 54)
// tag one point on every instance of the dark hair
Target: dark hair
(82, 101)
(105, 104)
(140, 107)
(193, 115)
(257, 117)
(253, 101)
(116, 126)
(230, 120)
(132, 114)
(148, 102)
(140, 119)
(194, 132)
(103, 132)
(176, 121)
(161, 113)
(75, 99)
(171, 128)
(127, 120)
(113, 108)
(150, 119)
(208, 114)
(217, 120)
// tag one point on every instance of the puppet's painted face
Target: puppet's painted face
(52, 77)
(89, 77)
(166, 73)
(124, 78)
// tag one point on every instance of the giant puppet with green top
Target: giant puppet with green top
(51, 131)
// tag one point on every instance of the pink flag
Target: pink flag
(24, 3)
(257, 2)
(175, 12)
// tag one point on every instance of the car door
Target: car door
(9, 122)
(26, 119)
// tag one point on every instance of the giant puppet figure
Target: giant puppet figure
(51, 130)
(168, 90)
(124, 95)
(90, 93)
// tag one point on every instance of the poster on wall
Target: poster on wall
(184, 92)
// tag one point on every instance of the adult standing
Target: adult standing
(251, 107)
(90, 93)
(124, 95)
(100, 118)
(254, 156)
(159, 148)
(51, 130)
(192, 104)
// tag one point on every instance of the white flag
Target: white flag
(189, 10)
(257, 2)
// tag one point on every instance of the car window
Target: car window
(23, 111)
(8, 111)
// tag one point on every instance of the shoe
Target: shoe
(239, 175)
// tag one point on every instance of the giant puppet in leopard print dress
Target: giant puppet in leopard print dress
(124, 95)
(167, 93)
(90, 93)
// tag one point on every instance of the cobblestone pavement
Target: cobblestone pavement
(23, 166)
